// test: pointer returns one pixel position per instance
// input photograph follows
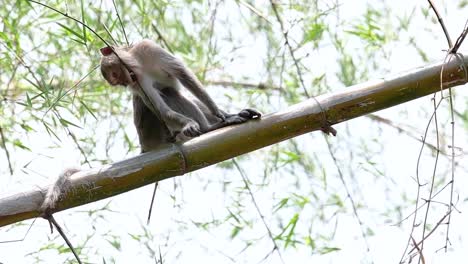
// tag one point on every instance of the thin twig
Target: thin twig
(452, 122)
(418, 163)
(52, 221)
(420, 253)
(152, 202)
(79, 147)
(348, 193)
(421, 206)
(12, 77)
(121, 23)
(405, 131)
(160, 260)
(247, 186)
(436, 122)
(452, 50)
(210, 39)
(432, 231)
(24, 237)
(75, 140)
(254, 10)
(7, 153)
(442, 24)
(161, 37)
(259, 86)
(291, 51)
(460, 39)
(109, 33)
(283, 65)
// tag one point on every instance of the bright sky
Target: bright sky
(199, 200)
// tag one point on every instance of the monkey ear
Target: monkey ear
(106, 51)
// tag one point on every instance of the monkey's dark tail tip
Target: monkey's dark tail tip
(329, 130)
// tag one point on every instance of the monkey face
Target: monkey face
(116, 77)
(113, 73)
(118, 66)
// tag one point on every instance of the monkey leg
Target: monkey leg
(243, 116)
(191, 129)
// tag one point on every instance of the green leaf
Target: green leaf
(27, 128)
(281, 204)
(292, 227)
(28, 100)
(289, 157)
(326, 250)
(314, 32)
(135, 237)
(235, 231)
(69, 30)
(463, 4)
(309, 241)
(65, 123)
(20, 144)
(84, 22)
(87, 108)
(50, 131)
(115, 243)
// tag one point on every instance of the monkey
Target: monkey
(155, 78)
(161, 113)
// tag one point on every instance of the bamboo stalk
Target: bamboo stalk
(174, 160)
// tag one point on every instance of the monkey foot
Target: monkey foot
(191, 130)
(250, 113)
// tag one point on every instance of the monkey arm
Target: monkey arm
(176, 68)
(189, 80)
(156, 104)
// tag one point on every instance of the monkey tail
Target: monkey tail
(56, 190)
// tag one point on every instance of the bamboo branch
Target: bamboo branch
(173, 160)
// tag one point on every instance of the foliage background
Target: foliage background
(51, 119)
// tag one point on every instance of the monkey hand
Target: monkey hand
(191, 129)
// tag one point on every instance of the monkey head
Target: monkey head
(112, 69)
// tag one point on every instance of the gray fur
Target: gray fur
(57, 190)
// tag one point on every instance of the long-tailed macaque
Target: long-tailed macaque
(161, 112)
